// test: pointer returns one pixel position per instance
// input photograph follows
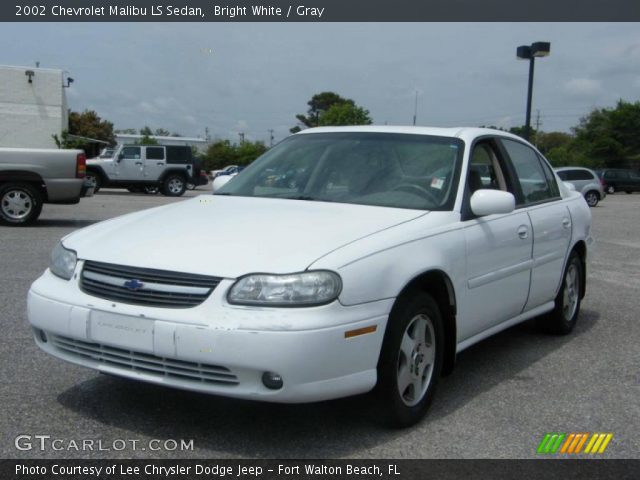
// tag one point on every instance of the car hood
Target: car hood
(232, 236)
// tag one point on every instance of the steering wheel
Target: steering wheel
(413, 188)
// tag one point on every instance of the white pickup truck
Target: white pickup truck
(31, 177)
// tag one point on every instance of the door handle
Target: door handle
(523, 232)
(160, 163)
(566, 223)
(138, 163)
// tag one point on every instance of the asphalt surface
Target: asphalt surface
(503, 396)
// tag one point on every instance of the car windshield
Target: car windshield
(107, 153)
(382, 169)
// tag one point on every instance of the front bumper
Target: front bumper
(213, 348)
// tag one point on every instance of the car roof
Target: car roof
(464, 133)
(563, 169)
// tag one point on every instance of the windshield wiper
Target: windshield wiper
(223, 193)
(304, 197)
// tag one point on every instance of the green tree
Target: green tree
(161, 132)
(345, 114)
(610, 137)
(146, 139)
(319, 103)
(88, 125)
(222, 153)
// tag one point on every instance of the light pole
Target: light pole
(530, 52)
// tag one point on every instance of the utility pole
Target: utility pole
(415, 109)
(270, 137)
(241, 135)
(538, 122)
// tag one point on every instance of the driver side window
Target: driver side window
(484, 169)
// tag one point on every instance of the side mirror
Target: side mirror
(487, 202)
(220, 181)
(570, 186)
(120, 157)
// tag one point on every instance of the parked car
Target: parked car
(148, 168)
(230, 170)
(585, 181)
(619, 180)
(30, 177)
(370, 271)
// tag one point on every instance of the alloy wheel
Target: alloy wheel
(17, 204)
(571, 292)
(416, 360)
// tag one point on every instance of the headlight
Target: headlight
(63, 262)
(294, 290)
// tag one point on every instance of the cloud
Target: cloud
(583, 86)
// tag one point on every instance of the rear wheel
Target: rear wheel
(592, 197)
(20, 204)
(564, 316)
(411, 360)
(174, 186)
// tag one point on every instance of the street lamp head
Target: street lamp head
(524, 52)
(537, 49)
(541, 49)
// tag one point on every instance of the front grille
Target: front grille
(143, 362)
(145, 286)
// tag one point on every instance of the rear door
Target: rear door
(539, 197)
(154, 162)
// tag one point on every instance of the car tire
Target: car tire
(562, 319)
(410, 361)
(611, 189)
(191, 186)
(174, 186)
(151, 190)
(592, 197)
(97, 180)
(20, 204)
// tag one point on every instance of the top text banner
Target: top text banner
(320, 11)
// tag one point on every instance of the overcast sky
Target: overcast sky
(255, 77)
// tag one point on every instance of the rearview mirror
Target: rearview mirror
(488, 202)
(220, 181)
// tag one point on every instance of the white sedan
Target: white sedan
(354, 258)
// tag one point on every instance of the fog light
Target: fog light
(271, 380)
(41, 335)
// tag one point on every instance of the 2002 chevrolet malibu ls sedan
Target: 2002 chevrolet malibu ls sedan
(341, 260)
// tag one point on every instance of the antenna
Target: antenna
(415, 109)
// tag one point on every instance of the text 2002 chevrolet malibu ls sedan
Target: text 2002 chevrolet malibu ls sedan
(341, 260)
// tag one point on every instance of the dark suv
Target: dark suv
(619, 180)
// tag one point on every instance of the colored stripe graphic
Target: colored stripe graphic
(572, 443)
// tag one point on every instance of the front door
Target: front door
(130, 164)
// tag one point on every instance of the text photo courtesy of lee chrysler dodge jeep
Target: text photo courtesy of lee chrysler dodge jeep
(168, 168)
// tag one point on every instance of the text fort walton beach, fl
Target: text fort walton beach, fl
(227, 11)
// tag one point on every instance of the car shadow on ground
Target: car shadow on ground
(223, 427)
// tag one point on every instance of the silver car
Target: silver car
(586, 182)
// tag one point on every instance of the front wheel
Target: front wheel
(174, 186)
(562, 319)
(592, 198)
(20, 204)
(411, 360)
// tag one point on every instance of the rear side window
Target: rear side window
(155, 153)
(575, 175)
(536, 183)
(178, 154)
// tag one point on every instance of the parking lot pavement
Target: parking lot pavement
(504, 395)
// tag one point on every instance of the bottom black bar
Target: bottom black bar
(319, 469)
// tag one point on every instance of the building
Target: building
(33, 107)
